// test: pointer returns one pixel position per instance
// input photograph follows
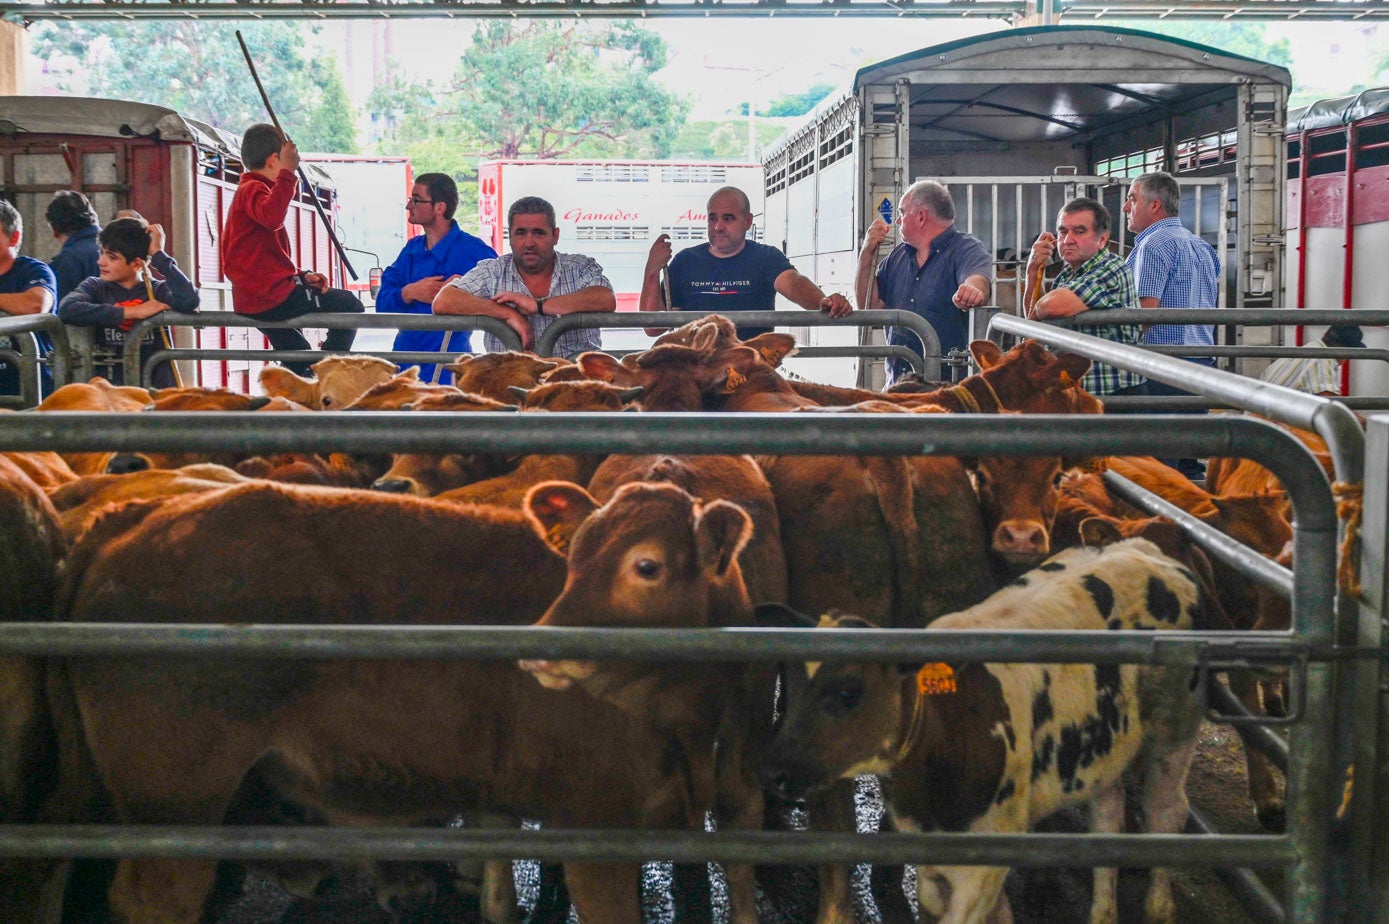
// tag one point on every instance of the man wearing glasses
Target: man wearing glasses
(443, 252)
(533, 285)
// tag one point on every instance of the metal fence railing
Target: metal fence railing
(134, 373)
(27, 356)
(1348, 686)
(1304, 849)
(928, 363)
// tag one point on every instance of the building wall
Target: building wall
(13, 48)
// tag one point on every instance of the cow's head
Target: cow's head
(1028, 378)
(652, 556)
(1018, 498)
(338, 381)
(666, 374)
(493, 374)
(838, 719)
(586, 395)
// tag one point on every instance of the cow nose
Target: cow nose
(779, 784)
(392, 485)
(1021, 537)
(124, 463)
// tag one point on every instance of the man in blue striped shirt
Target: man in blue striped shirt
(1172, 268)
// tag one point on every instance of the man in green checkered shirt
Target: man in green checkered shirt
(1094, 280)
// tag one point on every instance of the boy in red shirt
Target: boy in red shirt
(266, 284)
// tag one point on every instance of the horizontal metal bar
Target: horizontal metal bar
(490, 9)
(1010, 10)
(1273, 745)
(366, 320)
(1238, 556)
(694, 433)
(1271, 352)
(284, 843)
(918, 325)
(498, 643)
(1333, 422)
(1248, 888)
(1240, 317)
(1201, 403)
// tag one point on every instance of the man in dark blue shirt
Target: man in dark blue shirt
(441, 253)
(730, 273)
(74, 224)
(936, 271)
(26, 285)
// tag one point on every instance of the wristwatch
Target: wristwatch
(540, 304)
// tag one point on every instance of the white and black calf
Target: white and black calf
(998, 747)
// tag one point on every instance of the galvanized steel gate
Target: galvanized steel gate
(1318, 746)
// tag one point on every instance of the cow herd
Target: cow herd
(487, 539)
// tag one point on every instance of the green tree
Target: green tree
(1248, 39)
(542, 89)
(197, 69)
(796, 104)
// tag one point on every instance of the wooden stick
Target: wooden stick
(304, 178)
(1031, 303)
(163, 331)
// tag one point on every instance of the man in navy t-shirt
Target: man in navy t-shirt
(27, 286)
(730, 273)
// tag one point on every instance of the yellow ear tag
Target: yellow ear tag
(735, 378)
(1067, 381)
(935, 678)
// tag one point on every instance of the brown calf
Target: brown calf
(173, 740)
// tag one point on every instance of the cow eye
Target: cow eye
(327, 401)
(648, 568)
(846, 697)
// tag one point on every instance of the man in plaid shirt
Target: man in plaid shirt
(534, 284)
(1094, 279)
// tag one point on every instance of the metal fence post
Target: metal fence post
(1370, 805)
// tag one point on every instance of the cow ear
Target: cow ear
(277, 380)
(556, 509)
(721, 531)
(1073, 365)
(600, 366)
(772, 347)
(705, 339)
(1098, 532)
(780, 616)
(985, 352)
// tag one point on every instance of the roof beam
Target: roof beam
(1011, 10)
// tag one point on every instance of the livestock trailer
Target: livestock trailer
(1338, 217)
(173, 170)
(1016, 123)
(612, 210)
(371, 218)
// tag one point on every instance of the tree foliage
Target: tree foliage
(797, 104)
(1249, 39)
(197, 69)
(540, 89)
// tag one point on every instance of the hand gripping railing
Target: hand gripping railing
(1304, 848)
(27, 357)
(1352, 689)
(930, 343)
(133, 372)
